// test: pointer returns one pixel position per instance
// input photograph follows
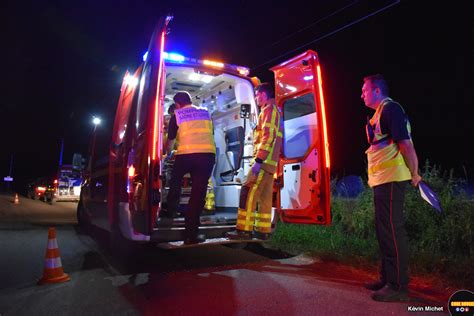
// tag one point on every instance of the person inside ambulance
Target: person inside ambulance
(254, 217)
(192, 128)
(167, 120)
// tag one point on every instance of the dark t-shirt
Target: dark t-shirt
(393, 122)
(172, 128)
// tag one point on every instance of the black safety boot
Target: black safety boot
(165, 219)
(389, 294)
(375, 285)
(262, 236)
(239, 235)
(164, 222)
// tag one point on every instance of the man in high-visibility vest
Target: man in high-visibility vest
(192, 127)
(254, 218)
(392, 163)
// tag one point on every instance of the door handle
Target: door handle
(312, 175)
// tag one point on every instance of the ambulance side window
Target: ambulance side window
(142, 100)
(300, 122)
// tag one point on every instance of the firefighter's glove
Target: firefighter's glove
(256, 168)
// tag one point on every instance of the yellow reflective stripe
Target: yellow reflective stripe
(243, 222)
(248, 228)
(263, 224)
(252, 193)
(251, 217)
(263, 229)
(269, 160)
(271, 127)
(200, 146)
(263, 215)
(397, 161)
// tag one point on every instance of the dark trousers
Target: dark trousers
(199, 166)
(391, 234)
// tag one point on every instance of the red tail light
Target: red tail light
(323, 110)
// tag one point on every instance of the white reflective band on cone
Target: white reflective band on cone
(52, 244)
(53, 263)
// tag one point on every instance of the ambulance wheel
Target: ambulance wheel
(83, 220)
(121, 247)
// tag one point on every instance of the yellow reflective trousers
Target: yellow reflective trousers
(255, 207)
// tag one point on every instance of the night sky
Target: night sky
(64, 61)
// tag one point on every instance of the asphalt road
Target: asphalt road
(210, 280)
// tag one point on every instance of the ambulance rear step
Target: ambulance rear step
(208, 242)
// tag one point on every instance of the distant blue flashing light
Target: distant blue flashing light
(145, 56)
(307, 78)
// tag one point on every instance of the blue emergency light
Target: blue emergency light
(173, 56)
(168, 56)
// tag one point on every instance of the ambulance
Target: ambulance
(126, 183)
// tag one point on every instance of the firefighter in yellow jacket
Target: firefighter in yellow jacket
(255, 207)
(192, 127)
(392, 164)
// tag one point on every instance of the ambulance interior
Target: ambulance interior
(230, 100)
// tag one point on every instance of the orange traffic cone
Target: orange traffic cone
(16, 200)
(53, 270)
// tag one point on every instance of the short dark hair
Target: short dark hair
(182, 97)
(171, 108)
(267, 88)
(378, 81)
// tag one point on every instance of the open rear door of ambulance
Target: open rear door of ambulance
(146, 150)
(303, 193)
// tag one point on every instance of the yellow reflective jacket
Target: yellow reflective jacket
(385, 161)
(267, 138)
(195, 132)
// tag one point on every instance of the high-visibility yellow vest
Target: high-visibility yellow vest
(195, 132)
(268, 137)
(385, 161)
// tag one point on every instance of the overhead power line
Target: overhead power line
(328, 34)
(314, 23)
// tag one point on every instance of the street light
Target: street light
(96, 120)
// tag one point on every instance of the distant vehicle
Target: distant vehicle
(66, 186)
(125, 184)
(36, 189)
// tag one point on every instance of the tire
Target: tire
(121, 247)
(83, 220)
